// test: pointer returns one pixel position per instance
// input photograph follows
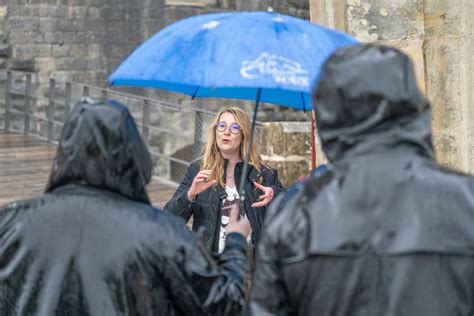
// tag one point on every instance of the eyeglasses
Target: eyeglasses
(222, 126)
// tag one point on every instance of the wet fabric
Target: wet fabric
(384, 230)
(93, 244)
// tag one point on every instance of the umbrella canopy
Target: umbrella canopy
(262, 56)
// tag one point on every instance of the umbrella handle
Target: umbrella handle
(313, 140)
(247, 155)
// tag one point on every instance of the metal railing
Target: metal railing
(36, 104)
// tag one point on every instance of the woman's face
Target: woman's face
(229, 138)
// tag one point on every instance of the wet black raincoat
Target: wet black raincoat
(385, 230)
(93, 244)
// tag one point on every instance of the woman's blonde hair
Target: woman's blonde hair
(212, 158)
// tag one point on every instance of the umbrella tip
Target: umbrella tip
(269, 9)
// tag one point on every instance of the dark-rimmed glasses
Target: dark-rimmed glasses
(222, 126)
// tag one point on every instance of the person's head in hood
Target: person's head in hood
(384, 227)
(365, 88)
(94, 245)
(100, 146)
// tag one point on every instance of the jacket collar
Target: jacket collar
(252, 174)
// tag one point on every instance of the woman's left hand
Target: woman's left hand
(265, 198)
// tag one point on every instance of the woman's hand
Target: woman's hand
(200, 183)
(265, 198)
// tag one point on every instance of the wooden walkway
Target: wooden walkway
(25, 163)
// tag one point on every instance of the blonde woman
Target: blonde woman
(210, 187)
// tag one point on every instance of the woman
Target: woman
(210, 187)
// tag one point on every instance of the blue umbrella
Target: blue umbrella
(234, 55)
(262, 56)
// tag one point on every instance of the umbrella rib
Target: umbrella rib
(247, 155)
(302, 100)
(195, 93)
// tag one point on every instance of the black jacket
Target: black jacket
(93, 244)
(385, 230)
(206, 207)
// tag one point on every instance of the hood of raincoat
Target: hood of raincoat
(100, 146)
(91, 246)
(384, 106)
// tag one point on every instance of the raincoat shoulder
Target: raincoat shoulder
(93, 244)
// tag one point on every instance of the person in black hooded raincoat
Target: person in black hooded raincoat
(385, 230)
(93, 244)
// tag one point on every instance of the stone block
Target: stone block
(290, 171)
(442, 18)
(19, 36)
(61, 50)
(445, 91)
(88, 36)
(372, 20)
(42, 2)
(48, 23)
(69, 75)
(79, 50)
(79, 24)
(115, 13)
(23, 10)
(73, 2)
(72, 63)
(3, 11)
(59, 37)
(287, 146)
(59, 11)
(78, 11)
(4, 46)
(95, 50)
(4, 50)
(286, 138)
(45, 64)
(22, 23)
(94, 12)
(30, 51)
(21, 64)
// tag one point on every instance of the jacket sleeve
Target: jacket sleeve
(268, 295)
(270, 179)
(179, 204)
(201, 284)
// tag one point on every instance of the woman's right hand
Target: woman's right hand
(200, 183)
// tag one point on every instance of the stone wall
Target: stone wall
(438, 36)
(76, 40)
(286, 146)
(85, 40)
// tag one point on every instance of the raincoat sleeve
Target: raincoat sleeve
(202, 284)
(179, 204)
(268, 294)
